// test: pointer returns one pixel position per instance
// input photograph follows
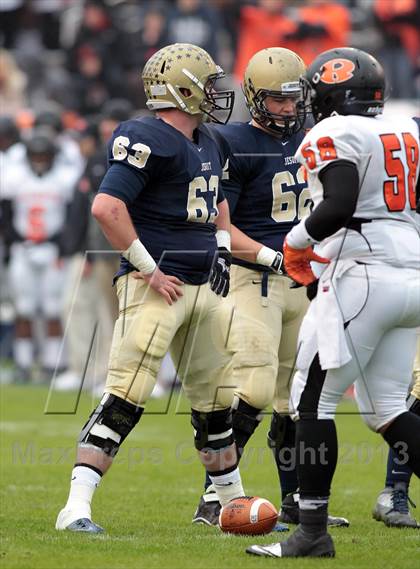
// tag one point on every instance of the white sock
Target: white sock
(312, 503)
(84, 482)
(23, 351)
(51, 352)
(228, 486)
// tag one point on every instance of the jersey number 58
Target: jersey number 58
(395, 190)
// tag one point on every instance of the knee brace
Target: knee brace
(212, 431)
(414, 405)
(245, 419)
(110, 423)
(282, 431)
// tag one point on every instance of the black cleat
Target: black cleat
(289, 513)
(299, 544)
(208, 509)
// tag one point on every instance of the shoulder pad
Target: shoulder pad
(330, 140)
(152, 132)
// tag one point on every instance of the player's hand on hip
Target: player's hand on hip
(297, 263)
(220, 274)
(167, 286)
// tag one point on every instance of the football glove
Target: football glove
(270, 258)
(276, 265)
(297, 263)
(220, 274)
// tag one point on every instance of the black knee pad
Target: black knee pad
(213, 430)
(282, 431)
(245, 419)
(414, 405)
(110, 423)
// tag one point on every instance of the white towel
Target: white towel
(307, 341)
(331, 339)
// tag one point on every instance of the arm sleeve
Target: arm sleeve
(123, 182)
(340, 182)
(8, 232)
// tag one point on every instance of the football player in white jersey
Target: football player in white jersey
(361, 327)
(67, 149)
(35, 193)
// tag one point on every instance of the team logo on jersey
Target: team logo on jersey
(335, 71)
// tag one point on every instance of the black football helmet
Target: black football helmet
(345, 81)
(41, 150)
(50, 118)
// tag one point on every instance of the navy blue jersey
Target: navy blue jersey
(264, 184)
(170, 186)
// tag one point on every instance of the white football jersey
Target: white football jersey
(39, 203)
(386, 153)
(68, 154)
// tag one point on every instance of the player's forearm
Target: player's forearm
(223, 225)
(114, 220)
(243, 247)
(223, 219)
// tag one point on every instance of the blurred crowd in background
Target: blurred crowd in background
(69, 73)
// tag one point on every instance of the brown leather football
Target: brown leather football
(248, 516)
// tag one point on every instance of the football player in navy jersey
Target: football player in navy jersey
(267, 194)
(160, 204)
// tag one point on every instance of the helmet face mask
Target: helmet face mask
(283, 125)
(275, 73)
(183, 76)
(345, 81)
(41, 151)
(40, 163)
(217, 104)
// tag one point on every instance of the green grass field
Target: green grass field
(147, 501)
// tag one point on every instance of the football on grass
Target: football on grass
(248, 516)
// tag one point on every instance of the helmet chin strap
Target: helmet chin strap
(273, 128)
(283, 124)
(280, 127)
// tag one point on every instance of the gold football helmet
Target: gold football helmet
(275, 72)
(184, 76)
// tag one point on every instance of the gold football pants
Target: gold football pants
(194, 329)
(263, 336)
